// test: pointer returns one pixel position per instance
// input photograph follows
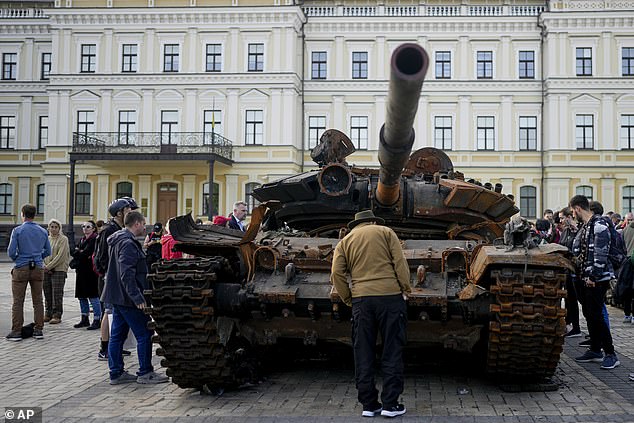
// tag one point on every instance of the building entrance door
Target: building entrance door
(167, 200)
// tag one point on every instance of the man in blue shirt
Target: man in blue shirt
(28, 247)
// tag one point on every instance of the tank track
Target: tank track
(528, 323)
(182, 308)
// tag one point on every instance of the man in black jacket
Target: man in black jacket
(236, 218)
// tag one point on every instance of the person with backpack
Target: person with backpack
(117, 209)
(592, 248)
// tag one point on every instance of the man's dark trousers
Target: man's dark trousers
(593, 303)
(387, 315)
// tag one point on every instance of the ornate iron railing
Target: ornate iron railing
(152, 143)
(324, 10)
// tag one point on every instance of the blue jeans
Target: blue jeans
(85, 308)
(124, 319)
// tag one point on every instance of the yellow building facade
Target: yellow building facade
(142, 96)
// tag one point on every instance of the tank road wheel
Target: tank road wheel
(527, 323)
(182, 308)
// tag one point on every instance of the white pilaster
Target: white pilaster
(379, 112)
(56, 48)
(108, 63)
(103, 196)
(557, 192)
(23, 192)
(462, 59)
(291, 47)
(150, 53)
(56, 195)
(234, 51)
(382, 61)
(422, 123)
(463, 125)
(277, 51)
(607, 193)
(232, 117)
(25, 132)
(606, 50)
(191, 46)
(505, 60)
(339, 118)
(339, 63)
(189, 120)
(565, 121)
(506, 139)
(146, 197)
(289, 110)
(147, 112)
(67, 55)
(606, 123)
(231, 190)
(64, 134)
(278, 119)
(29, 70)
(189, 189)
(106, 112)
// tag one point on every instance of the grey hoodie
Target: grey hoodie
(628, 237)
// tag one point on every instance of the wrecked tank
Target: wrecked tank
(475, 281)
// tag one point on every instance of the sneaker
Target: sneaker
(585, 343)
(125, 352)
(573, 333)
(372, 410)
(627, 319)
(610, 361)
(102, 356)
(37, 334)
(124, 377)
(14, 336)
(152, 378)
(55, 321)
(395, 410)
(590, 356)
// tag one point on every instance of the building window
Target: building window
(85, 122)
(359, 132)
(9, 66)
(319, 62)
(442, 132)
(584, 133)
(256, 58)
(316, 127)
(170, 58)
(127, 127)
(82, 198)
(628, 199)
(215, 196)
(41, 193)
(213, 56)
(584, 190)
(254, 127)
(45, 72)
(443, 65)
(584, 61)
(485, 64)
(212, 124)
(42, 139)
(129, 59)
(6, 199)
(527, 65)
(627, 61)
(7, 132)
(627, 132)
(528, 133)
(486, 133)
(124, 189)
(88, 58)
(528, 202)
(360, 65)
(169, 126)
(251, 201)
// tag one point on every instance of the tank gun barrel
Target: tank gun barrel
(408, 67)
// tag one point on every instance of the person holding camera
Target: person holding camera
(86, 286)
(28, 247)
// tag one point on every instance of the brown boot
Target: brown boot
(47, 319)
(55, 320)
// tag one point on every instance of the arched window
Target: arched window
(205, 200)
(628, 199)
(6, 199)
(40, 198)
(248, 197)
(124, 189)
(82, 198)
(528, 202)
(585, 190)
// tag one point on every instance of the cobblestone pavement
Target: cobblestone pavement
(62, 375)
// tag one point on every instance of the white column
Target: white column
(56, 197)
(507, 188)
(67, 55)
(340, 62)
(550, 140)
(557, 192)
(233, 64)
(277, 118)
(564, 67)
(149, 52)
(56, 49)
(231, 190)
(289, 110)
(108, 64)
(232, 117)
(190, 112)
(463, 125)
(147, 111)
(291, 49)
(462, 59)
(24, 191)
(506, 139)
(606, 123)
(606, 195)
(146, 196)
(550, 66)
(189, 182)
(103, 196)
(106, 112)
(276, 52)
(53, 118)
(65, 133)
(505, 60)
(564, 122)
(421, 124)
(379, 112)
(382, 61)
(191, 46)
(29, 69)
(25, 132)
(606, 50)
(339, 118)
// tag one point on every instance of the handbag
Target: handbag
(73, 263)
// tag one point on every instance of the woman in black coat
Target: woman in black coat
(86, 283)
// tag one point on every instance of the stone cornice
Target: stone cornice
(594, 21)
(173, 18)
(22, 88)
(19, 26)
(452, 87)
(565, 85)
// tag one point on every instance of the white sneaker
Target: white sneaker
(152, 378)
(627, 319)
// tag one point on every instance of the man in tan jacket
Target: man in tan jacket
(373, 257)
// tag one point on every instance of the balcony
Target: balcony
(151, 146)
(327, 10)
(22, 13)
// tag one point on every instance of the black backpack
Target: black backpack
(618, 251)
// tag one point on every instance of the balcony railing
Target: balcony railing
(104, 143)
(423, 10)
(26, 13)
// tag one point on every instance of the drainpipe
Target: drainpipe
(542, 37)
(299, 3)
